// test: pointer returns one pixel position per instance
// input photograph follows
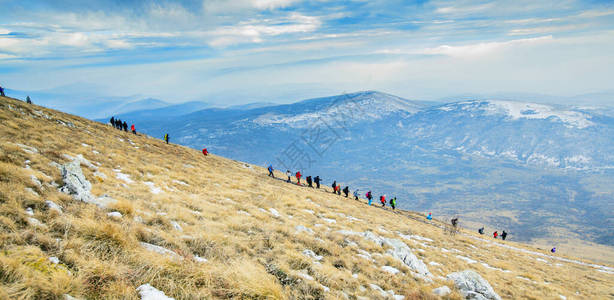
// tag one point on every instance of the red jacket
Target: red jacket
(298, 175)
(205, 152)
(132, 127)
(382, 199)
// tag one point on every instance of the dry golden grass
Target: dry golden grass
(218, 209)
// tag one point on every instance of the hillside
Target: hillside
(146, 218)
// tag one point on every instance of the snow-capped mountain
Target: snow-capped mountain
(535, 134)
(522, 163)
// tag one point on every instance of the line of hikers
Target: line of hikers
(121, 125)
(494, 234)
(369, 195)
(336, 187)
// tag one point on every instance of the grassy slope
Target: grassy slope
(217, 202)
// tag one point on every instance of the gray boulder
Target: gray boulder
(473, 286)
(75, 183)
(402, 252)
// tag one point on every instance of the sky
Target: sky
(234, 52)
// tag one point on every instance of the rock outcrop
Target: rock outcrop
(76, 185)
(473, 286)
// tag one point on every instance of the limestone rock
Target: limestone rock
(442, 291)
(473, 286)
(75, 183)
(53, 206)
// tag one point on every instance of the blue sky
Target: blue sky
(232, 52)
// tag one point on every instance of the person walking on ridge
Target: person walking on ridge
(133, 129)
(28, 100)
(495, 234)
(356, 194)
(289, 174)
(270, 168)
(369, 197)
(454, 222)
(481, 230)
(125, 125)
(2, 91)
(346, 191)
(166, 138)
(298, 177)
(309, 182)
(382, 199)
(317, 181)
(429, 217)
(205, 152)
(393, 202)
(334, 185)
(503, 235)
(553, 249)
(112, 121)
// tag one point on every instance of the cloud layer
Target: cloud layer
(282, 50)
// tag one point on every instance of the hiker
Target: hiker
(132, 128)
(454, 222)
(289, 174)
(28, 100)
(339, 189)
(309, 182)
(429, 217)
(125, 125)
(2, 91)
(495, 234)
(346, 191)
(503, 235)
(369, 197)
(382, 199)
(112, 121)
(118, 124)
(270, 168)
(553, 249)
(481, 230)
(334, 185)
(393, 202)
(317, 181)
(298, 177)
(166, 139)
(356, 194)
(205, 152)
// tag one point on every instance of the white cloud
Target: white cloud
(596, 13)
(272, 4)
(470, 50)
(255, 31)
(544, 29)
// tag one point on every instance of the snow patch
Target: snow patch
(391, 270)
(313, 255)
(114, 215)
(274, 212)
(152, 187)
(121, 176)
(160, 250)
(148, 292)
